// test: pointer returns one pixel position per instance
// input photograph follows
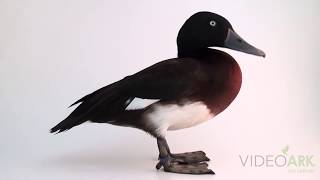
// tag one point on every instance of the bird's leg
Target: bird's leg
(180, 163)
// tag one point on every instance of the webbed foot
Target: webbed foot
(175, 165)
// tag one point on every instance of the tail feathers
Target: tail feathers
(65, 125)
(105, 101)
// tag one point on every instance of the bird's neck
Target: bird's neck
(191, 51)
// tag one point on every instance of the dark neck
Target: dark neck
(191, 52)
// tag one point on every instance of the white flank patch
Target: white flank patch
(174, 117)
(138, 103)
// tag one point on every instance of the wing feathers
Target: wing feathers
(166, 80)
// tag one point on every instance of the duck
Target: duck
(177, 93)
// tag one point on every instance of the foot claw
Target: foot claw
(211, 172)
(159, 165)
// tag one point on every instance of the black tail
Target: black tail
(66, 124)
(106, 100)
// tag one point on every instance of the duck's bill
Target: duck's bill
(235, 42)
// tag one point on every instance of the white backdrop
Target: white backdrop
(54, 52)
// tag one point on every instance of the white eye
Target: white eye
(212, 23)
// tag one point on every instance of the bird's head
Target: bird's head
(206, 29)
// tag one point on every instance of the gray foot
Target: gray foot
(191, 157)
(171, 164)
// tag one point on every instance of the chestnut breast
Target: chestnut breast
(223, 81)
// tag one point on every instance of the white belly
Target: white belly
(174, 117)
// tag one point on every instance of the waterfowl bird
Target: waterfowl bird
(185, 91)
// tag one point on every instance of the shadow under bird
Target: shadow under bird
(183, 92)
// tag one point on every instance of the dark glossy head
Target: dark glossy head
(206, 29)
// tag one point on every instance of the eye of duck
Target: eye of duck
(212, 23)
